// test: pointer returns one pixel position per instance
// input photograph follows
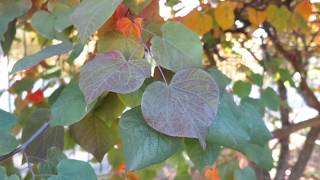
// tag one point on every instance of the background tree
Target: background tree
(205, 91)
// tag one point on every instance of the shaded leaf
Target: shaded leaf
(242, 88)
(112, 72)
(202, 158)
(8, 37)
(246, 173)
(262, 156)
(11, 10)
(7, 120)
(90, 15)
(227, 169)
(32, 60)
(137, 6)
(93, 135)
(53, 158)
(185, 108)
(270, 99)
(53, 137)
(74, 169)
(220, 78)
(173, 50)
(7, 142)
(110, 109)
(144, 146)
(65, 114)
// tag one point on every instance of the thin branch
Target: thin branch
(24, 146)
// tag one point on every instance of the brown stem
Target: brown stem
(305, 154)
(283, 162)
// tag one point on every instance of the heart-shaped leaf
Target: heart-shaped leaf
(91, 14)
(185, 108)
(178, 48)
(112, 72)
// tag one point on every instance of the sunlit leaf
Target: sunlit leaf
(32, 60)
(74, 169)
(174, 51)
(198, 22)
(90, 15)
(224, 14)
(242, 88)
(112, 72)
(185, 108)
(130, 27)
(304, 8)
(256, 17)
(144, 146)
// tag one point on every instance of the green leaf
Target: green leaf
(137, 6)
(112, 72)
(22, 85)
(202, 158)
(252, 121)
(44, 23)
(256, 78)
(93, 135)
(226, 130)
(262, 156)
(73, 169)
(52, 137)
(270, 99)
(134, 99)
(246, 173)
(144, 146)
(7, 142)
(9, 36)
(178, 48)
(221, 79)
(110, 108)
(116, 157)
(75, 53)
(242, 88)
(115, 41)
(255, 102)
(70, 107)
(49, 166)
(32, 60)
(226, 170)
(7, 120)
(90, 15)
(185, 108)
(9, 11)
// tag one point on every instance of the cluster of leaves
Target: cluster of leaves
(144, 94)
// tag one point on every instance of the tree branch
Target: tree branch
(24, 146)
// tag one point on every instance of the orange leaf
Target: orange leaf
(36, 97)
(132, 176)
(198, 22)
(120, 12)
(224, 14)
(128, 27)
(121, 168)
(212, 173)
(256, 17)
(304, 8)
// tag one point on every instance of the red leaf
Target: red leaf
(120, 12)
(128, 27)
(36, 97)
(121, 168)
(212, 173)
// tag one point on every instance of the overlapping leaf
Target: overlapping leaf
(112, 72)
(144, 146)
(198, 22)
(63, 113)
(74, 169)
(224, 14)
(32, 60)
(174, 51)
(91, 15)
(185, 108)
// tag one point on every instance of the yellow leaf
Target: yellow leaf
(256, 17)
(279, 17)
(224, 14)
(198, 22)
(304, 8)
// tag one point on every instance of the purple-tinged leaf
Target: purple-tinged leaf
(185, 108)
(112, 72)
